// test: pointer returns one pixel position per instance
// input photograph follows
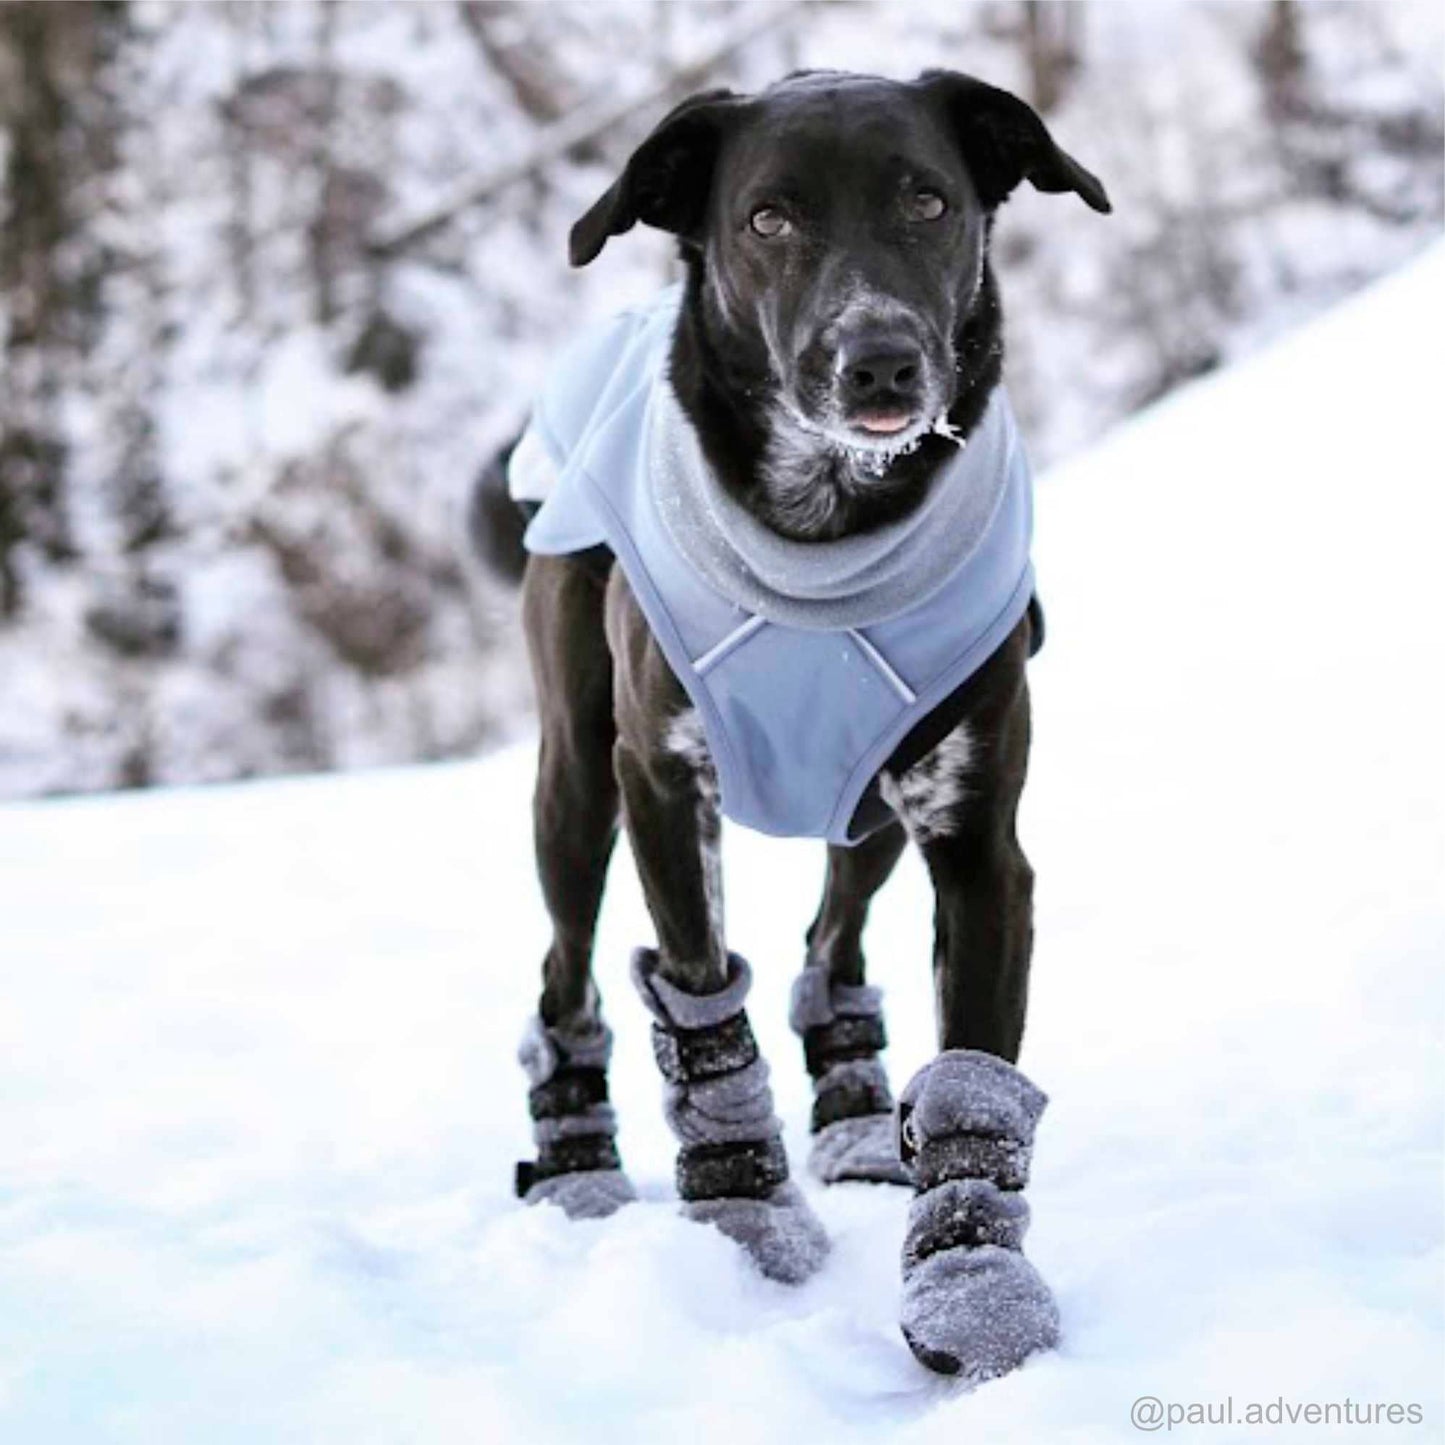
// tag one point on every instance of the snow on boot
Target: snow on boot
(732, 1170)
(577, 1165)
(854, 1133)
(972, 1304)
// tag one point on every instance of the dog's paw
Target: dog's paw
(862, 1149)
(781, 1234)
(586, 1194)
(977, 1313)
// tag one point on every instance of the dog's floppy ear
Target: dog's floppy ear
(666, 182)
(1004, 142)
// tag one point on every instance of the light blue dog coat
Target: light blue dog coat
(806, 677)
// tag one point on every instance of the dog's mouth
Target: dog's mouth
(886, 427)
(874, 434)
(884, 421)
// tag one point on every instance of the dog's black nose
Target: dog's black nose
(878, 365)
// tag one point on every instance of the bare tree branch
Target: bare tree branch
(582, 125)
(532, 83)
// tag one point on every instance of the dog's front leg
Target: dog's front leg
(972, 1304)
(732, 1170)
(983, 884)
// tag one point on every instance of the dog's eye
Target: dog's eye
(769, 222)
(926, 205)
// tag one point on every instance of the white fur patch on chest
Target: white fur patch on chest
(928, 796)
(684, 738)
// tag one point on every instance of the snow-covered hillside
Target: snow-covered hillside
(260, 1105)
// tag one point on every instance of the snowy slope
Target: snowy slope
(260, 1108)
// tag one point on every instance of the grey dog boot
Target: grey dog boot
(732, 1170)
(575, 1128)
(972, 1304)
(855, 1136)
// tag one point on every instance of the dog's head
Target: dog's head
(840, 223)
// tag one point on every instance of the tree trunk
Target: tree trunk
(1052, 34)
(56, 117)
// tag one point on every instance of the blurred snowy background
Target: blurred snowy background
(275, 279)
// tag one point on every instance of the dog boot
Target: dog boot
(854, 1133)
(972, 1304)
(732, 1170)
(577, 1165)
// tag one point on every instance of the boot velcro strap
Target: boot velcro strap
(686, 1056)
(850, 1098)
(571, 1090)
(856, 1036)
(748, 1170)
(580, 1154)
(1005, 1162)
(964, 1214)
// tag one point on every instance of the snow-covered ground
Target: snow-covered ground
(259, 1105)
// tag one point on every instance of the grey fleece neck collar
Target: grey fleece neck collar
(826, 586)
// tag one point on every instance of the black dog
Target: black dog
(839, 334)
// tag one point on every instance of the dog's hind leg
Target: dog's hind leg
(839, 1018)
(567, 1045)
(732, 1169)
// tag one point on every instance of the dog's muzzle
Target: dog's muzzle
(879, 381)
